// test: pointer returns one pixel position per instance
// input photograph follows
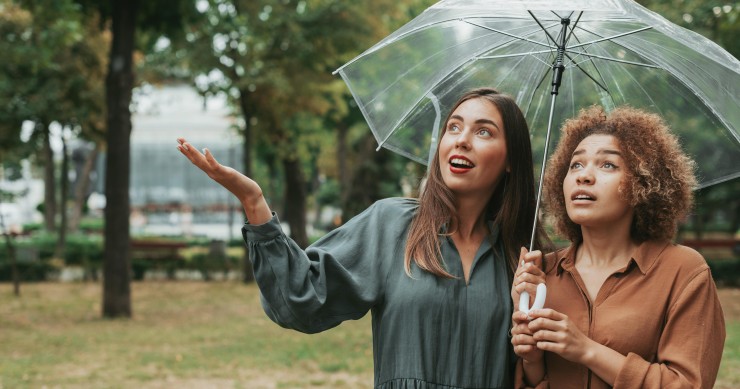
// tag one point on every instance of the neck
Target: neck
(470, 217)
(606, 246)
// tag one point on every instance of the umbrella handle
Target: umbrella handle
(539, 299)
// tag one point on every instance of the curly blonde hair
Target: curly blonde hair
(659, 179)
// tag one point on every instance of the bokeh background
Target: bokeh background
(121, 265)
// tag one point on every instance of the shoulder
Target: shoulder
(394, 207)
(387, 213)
(684, 261)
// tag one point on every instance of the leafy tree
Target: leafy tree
(720, 22)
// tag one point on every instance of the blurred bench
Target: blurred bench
(731, 245)
(155, 254)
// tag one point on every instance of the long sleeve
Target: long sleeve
(690, 347)
(340, 277)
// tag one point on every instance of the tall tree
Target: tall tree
(275, 58)
(119, 85)
(133, 25)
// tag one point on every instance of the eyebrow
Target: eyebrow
(601, 151)
(479, 121)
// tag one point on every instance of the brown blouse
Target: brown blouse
(661, 311)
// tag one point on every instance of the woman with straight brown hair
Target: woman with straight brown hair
(435, 272)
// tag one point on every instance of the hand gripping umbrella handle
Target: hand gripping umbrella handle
(539, 299)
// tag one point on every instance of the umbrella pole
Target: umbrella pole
(557, 76)
(542, 172)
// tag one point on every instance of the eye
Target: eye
(609, 165)
(575, 165)
(485, 132)
(453, 127)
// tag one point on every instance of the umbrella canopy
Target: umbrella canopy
(610, 52)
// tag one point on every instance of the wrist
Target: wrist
(588, 355)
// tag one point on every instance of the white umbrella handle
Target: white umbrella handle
(539, 299)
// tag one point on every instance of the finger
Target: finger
(542, 324)
(550, 346)
(534, 257)
(522, 252)
(519, 317)
(528, 287)
(523, 340)
(535, 277)
(548, 314)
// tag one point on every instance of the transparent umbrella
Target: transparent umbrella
(554, 57)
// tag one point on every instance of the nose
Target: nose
(585, 176)
(463, 140)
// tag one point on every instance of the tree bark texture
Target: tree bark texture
(119, 85)
(81, 188)
(295, 201)
(50, 187)
(64, 189)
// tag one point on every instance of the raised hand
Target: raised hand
(244, 188)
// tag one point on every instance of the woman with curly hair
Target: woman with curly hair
(626, 308)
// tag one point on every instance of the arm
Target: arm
(340, 277)
(690, 348)
(689, 351)
(246, 190)
(310, 291)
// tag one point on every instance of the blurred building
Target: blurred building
(169, 196)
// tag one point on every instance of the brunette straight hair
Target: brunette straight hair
(511, 205)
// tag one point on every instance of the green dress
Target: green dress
(428, 332)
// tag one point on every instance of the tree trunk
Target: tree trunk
(295, 201)
(344, 177)
(50, 188)
(64, 188)
(83, 185)
(119, 85)
(11, 254)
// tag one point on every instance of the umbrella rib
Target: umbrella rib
(545, 30)
(617, 60)
(573, 27)
(608, 38)
(583, 51)
(518, 55)
(587, 74)
(542, 79)
(508, 34)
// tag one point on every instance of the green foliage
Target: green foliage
(718, 20)
(726, 272)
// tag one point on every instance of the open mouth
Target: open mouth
(583, 196)
(461, 163)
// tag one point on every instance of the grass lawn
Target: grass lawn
(196, 335)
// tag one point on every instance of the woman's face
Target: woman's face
(592, 185)
(472, 151)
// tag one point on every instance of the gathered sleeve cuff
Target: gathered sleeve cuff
(340, 277)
